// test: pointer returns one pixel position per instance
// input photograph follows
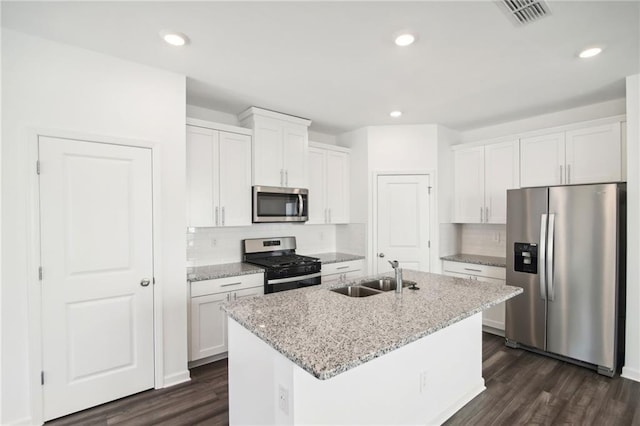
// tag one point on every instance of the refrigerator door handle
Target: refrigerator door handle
(549, 257)
(543, 257)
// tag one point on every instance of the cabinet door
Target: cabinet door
(494, 316)
(593, 154)
(267, 153)
(317, 185)
(542, 160)
(469, 185)
(201, 179)
(501, 172)
(295, 146)
(208, 326)
(235, 179)
(338, 186)
(249, 292)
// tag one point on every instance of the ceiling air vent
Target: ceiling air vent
(526, 11)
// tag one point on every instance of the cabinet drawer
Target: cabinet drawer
(201, 288)
(342, 267)
(473, 269)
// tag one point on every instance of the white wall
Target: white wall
(47, 85)
(631, 368)
(558, 118)
(212, 246)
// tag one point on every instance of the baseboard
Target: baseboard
(177, 378)
(457, 405)
(631, 374)
(25, 421)
(493, 330)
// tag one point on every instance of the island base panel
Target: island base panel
(424, 382)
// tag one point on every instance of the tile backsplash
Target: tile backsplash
(212, 246)
(483, 239)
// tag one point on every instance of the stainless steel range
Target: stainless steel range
(285, 270)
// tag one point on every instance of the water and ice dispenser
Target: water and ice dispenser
(525, 257)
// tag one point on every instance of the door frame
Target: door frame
(373, 214)
(34, 256)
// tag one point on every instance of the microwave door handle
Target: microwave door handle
(300, 205)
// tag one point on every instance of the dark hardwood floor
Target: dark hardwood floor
(522, 388)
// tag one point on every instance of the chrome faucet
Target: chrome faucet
(398, 271)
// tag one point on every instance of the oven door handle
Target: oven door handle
(292, 279)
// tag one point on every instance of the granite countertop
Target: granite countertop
(212, 272)
(326, 333)
(336, 257)
(477, 259)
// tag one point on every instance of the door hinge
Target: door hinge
(42, 377)
(38, 167)
(429, 189)
(40, 273)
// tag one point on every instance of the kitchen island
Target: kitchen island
(313, 356)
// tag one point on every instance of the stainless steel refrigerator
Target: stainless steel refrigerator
(566, 249)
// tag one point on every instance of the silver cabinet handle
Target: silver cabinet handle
(281, 177)
(230, 284)
(474, 270)
(552, 223)
(329, 215)
(145, 282)
(481, 214)
(286, 178)
(486, 214)
(543, 257)
(228, 297)
(568, 173)
(223, 216)
(343, 267)
(216, 216)
(235, 296)
(561, 174)
(380, 254)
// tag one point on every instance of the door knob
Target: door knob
(145, 282)
(380, 254)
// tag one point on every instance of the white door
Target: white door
(235, 179)
(97, 273)
(593, 155)
(338, 186)
(267, 154)
(542, 160)
(202, 182)
(468, 185)
(208, 325)
(403, 222)
(501, 172)
(295, 145)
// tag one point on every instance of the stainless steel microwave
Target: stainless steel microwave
(275, 204)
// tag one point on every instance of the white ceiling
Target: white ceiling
(335, 62)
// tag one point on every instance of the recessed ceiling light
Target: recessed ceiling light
(590, 53)
(174, 39)
(405, 39)
(395, 114)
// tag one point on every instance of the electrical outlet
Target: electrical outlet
(424, 376)
(283, 399)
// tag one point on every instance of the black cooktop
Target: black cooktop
(283, 261)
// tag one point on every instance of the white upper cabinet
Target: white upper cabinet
(482, 175)
(328, 184)
(280, 146)
(585, 155)
(218, 176)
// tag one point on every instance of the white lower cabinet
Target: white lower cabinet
(492, 318)
(208, 322)
(343, 271)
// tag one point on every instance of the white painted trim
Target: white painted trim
(25, 421)
(176, 379)
(255, 111)
(218, 126)
(320, 145)
(33, 256)
(464, 400)
(373, 215)
(541, 132)
(631, 374)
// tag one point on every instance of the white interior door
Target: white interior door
(96, 250)
(403, 222)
